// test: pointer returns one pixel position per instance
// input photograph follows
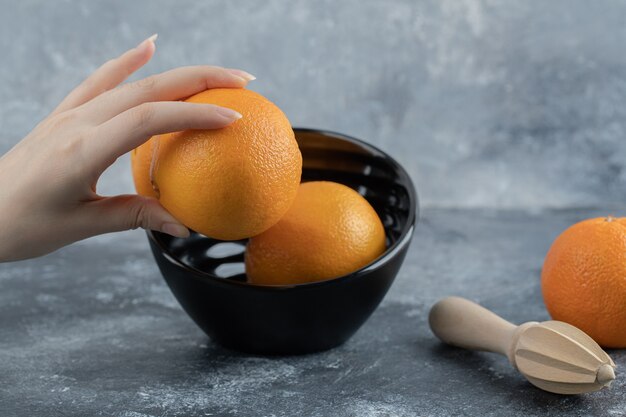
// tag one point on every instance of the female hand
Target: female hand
(48, 180)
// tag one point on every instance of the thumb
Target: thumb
(125, 212)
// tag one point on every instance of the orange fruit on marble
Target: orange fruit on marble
(329, 231)
(584, 279)
(229, 183)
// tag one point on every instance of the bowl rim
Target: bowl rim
(390, 252)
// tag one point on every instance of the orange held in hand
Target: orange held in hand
(584, 279)
(330, 230)
(229, 183)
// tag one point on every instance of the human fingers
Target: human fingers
(168, 86)
(109, 75)
(133, 127)
(125, 212)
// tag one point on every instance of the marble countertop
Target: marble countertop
(94, 330)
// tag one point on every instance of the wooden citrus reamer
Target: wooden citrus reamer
(552, 355)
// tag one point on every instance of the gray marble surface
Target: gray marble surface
(93, 330)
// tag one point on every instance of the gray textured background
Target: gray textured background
(487, 103)
(490, 106)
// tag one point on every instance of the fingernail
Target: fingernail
(243, 74)
(228, 113)
(151, 39)
(176, 230)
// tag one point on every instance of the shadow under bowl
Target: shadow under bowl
(208, 279)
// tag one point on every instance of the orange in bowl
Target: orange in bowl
(329, 231)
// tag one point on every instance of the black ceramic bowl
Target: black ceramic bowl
(207, 276)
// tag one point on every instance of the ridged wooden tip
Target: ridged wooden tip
(605, 375)
(560, 358)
